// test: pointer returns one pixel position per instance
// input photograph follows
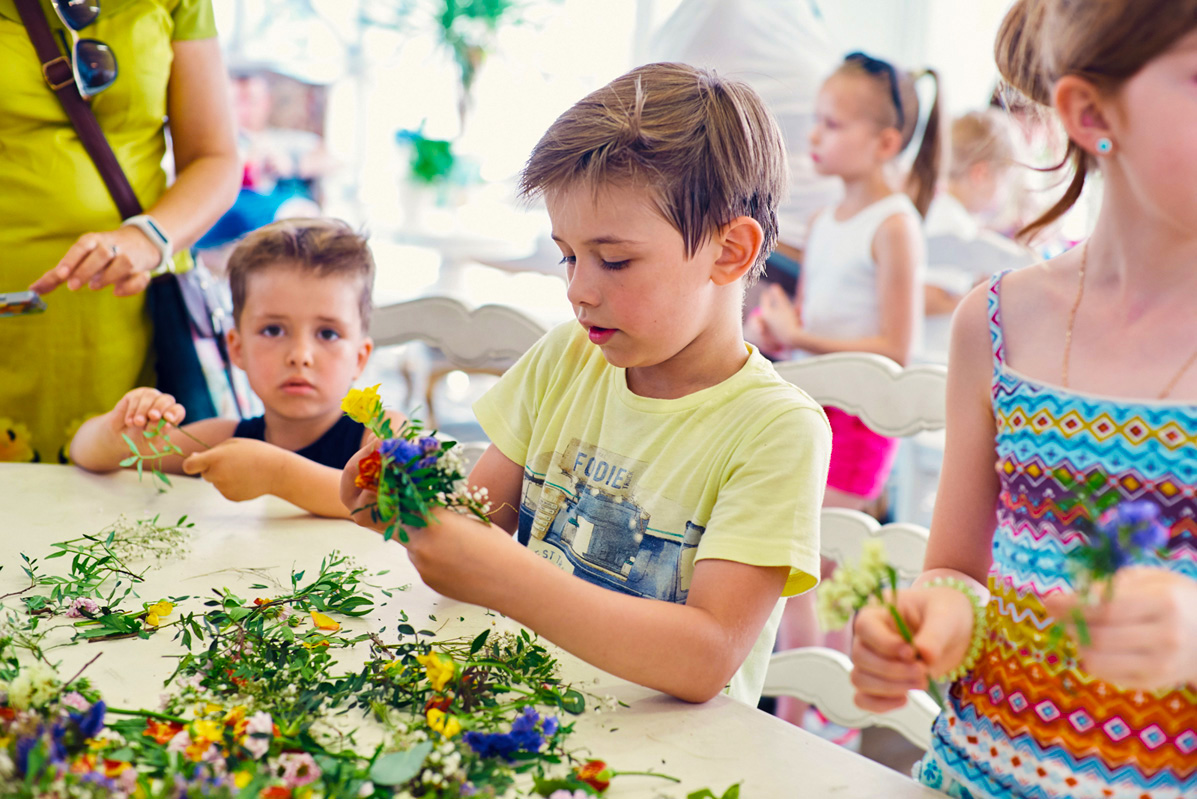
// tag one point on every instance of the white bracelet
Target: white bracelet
(157, 236)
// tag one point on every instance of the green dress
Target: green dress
(88, 348)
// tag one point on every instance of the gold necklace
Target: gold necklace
(1080, 292)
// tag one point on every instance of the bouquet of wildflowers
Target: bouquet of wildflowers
(411, 473)
(850, 588)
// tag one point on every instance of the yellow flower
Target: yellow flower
(323, 622)
(162, 608)
(362, 405)
(206, 730)
(443, 723)
(242, 778)
(439, 669)
(152, 619)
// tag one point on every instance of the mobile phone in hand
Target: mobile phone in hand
(19, 303)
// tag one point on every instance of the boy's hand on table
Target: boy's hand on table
(240, 468)
(143, 407)
(1145, 636)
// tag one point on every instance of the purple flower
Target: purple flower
(91, 721)
(400, 450)
(429, 445)
(526, 736)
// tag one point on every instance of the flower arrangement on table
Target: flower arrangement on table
(252, 708)
(410, 473)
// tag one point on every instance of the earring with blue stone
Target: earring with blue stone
(1105, 146)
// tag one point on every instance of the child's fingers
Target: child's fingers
(145, 411)
(881, 686)
(874, 630)
(1129, 638)
(878, 704)
(1127, 669)
(166, 408)
(196, 463)
(867, 661)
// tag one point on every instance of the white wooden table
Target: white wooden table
(236, 544)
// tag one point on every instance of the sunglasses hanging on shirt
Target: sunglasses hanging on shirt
(92, 62)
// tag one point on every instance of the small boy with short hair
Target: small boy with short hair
(647, 450)
(301, 303)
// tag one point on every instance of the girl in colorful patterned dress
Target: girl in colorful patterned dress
(1077, 370)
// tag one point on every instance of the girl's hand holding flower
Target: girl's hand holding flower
(1142, 634)
(886, 667)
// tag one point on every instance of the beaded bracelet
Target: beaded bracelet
(974, 645)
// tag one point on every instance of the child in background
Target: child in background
(663, 481)
(861, 286)
(961, 251)
(301, 302)
(1077, 370)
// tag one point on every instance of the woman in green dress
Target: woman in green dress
(60, 232)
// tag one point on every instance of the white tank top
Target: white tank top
(839, 275)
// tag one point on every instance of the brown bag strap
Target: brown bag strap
(60, 77)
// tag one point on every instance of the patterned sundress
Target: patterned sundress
(1027, 722)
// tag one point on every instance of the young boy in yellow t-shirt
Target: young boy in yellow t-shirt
(647, 449)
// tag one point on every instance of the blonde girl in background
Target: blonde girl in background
(861, 285)
(1079, 369)
(962, 247)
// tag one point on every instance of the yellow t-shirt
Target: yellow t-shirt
(628, 492)
(88, 348)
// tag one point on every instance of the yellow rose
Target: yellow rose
(362, 405)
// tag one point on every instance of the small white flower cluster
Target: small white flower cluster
(443, 766)
(143, 539)
(850, 587)
(33, 686)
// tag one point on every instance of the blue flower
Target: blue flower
(525, 736)
(1129, 530)
(91, 721)
(429, 445)
(400, 450)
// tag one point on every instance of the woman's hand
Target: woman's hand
(885, 667)
(1143, 637)
(121, 258)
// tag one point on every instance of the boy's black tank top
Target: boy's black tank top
(334, 448)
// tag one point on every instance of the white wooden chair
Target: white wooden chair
(895, 402)
(487, 339)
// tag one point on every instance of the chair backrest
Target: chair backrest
(893, 401)
(484, 336)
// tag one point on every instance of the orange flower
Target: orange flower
(322, 622)
(439, 702)
(275, 792)
(162, 731)
(114, 768)
(595, 774)
(368, 470)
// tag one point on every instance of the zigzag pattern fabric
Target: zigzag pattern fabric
(1028, 722)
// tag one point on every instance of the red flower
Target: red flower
(162, 731)
(368, 470)
(275, 792)
(439, 701)
(595, 774)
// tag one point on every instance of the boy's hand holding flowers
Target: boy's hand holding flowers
(400, 480)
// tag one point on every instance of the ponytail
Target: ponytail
(928, 162)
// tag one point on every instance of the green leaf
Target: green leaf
(396, 768)
(129, 461)
(129, 441)
(479, 642)
(572, 702)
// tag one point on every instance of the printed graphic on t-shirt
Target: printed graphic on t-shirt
(579, 510)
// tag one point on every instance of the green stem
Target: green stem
(147, 714)
(643, 774)
(904, 631)
(193, 438)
